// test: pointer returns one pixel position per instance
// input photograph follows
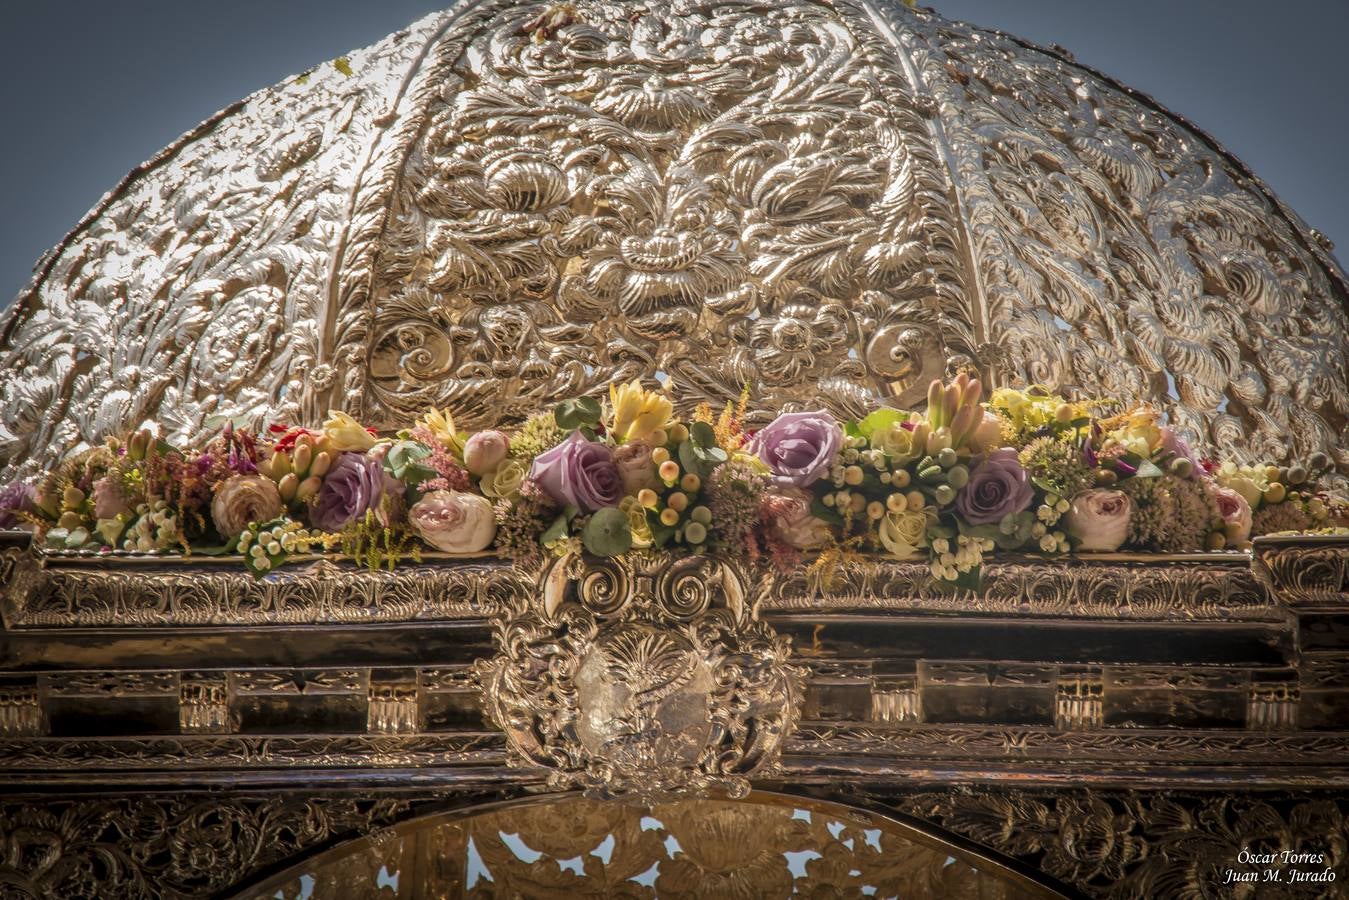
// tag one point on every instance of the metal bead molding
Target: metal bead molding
(642, 678)
(830, 202)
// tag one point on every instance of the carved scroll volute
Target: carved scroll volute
(643, 678)
(1303, 570)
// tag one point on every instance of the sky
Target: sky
(93, 88)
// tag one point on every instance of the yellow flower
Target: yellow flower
(904, 533)
(345, 433)
(638, 412)
(637, 524)
(441, 425)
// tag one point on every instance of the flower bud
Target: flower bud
(301, 458)
(695, 533)
(679, 432)
(287, 486)
(322, 462)
(72, 496)
(308, 488)
(669, 471)
(690, 482)
(647, 497)
(677, 501)
(484, 451)
(280, 465)
(668, 517)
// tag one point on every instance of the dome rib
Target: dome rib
(829, 202)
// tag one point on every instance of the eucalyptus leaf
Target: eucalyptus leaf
(703, 435)
(607, 533)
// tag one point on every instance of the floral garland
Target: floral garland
(1024, 471)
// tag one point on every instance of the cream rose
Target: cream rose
(503, 482)
(637, 523)
(1099, 519)
(901, 444)
(454, 521)
(241, 499)
(904, 533)
(1236, 513)
(635, 466)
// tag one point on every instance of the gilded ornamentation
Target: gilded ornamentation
(1123, 253)
(147, 592)
(1126, 845)
(641, 677)
(727, 195)
(152, 847)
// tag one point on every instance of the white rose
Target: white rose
(454, 521)
(1099, 519)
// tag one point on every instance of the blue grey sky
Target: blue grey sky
(91, 89)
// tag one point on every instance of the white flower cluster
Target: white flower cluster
(263, 549)
(951, 562)
(155, 528)
(1048, 515)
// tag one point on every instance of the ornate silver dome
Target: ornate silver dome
(831, 202)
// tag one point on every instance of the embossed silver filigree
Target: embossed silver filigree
(642, 678)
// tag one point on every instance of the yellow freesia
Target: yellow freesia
(345, 433)
(638, 412)
(441, 425)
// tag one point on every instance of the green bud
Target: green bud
(702, 515)
(1296, 474)
(958, 477)
(930, 473)
(695, 533)
(944, 494)
(947, 458)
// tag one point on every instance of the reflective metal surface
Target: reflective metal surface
(830, 202)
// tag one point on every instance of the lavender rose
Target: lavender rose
(454, 521)
(15, 497)
(799, 447)
(354, 484)
(1099, 519)
(1175, 445)
(997, 487)
(1236, 513)
(579, 473)
(241, 499)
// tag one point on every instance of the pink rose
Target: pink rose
(635, 466)
(790, 517)
(1236, 513)
(241, 499)
(454, 521)
(1099, 520)
(987, 434)
(484, 451)
(109, 500)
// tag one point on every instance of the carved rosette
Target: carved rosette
(642, 678)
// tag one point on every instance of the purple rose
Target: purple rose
(15, 497)
(998, 487)
(354, 484)
(579, 473)
(798, 447)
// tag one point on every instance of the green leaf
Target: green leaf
(880, 419)
(703, 435)
(607, 533)
(825, 513)
(577, 412)
(402, 462)
(556, 531)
